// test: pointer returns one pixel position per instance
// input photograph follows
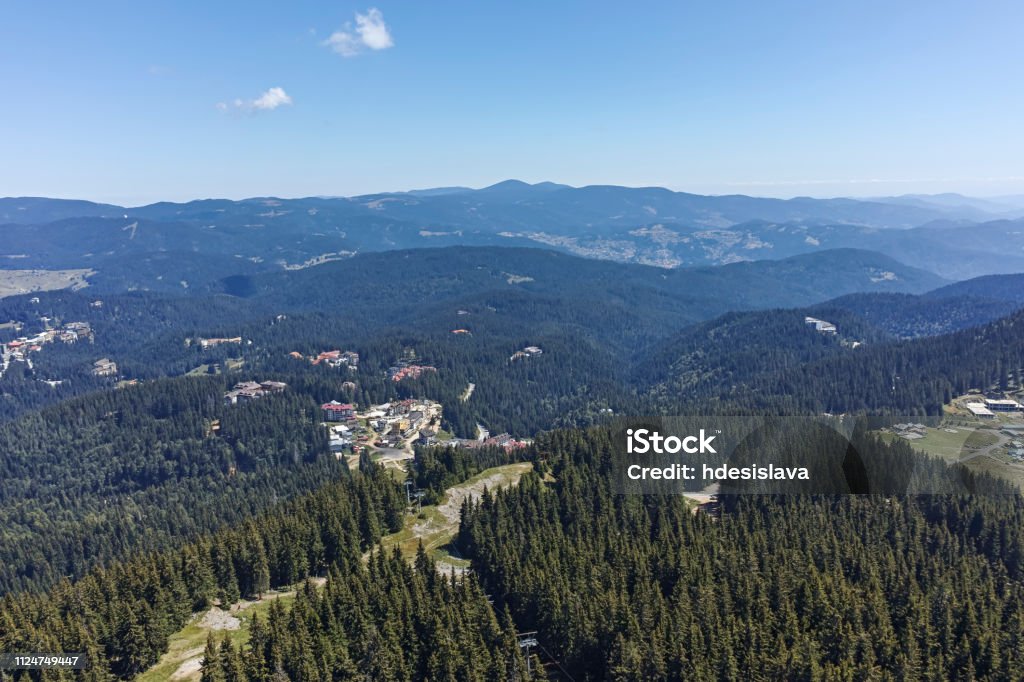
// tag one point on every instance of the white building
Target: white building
(980, 411)
(820, 325)
(1002, 405)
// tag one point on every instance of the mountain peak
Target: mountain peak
(516, 186)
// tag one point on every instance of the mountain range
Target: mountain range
(174, 246)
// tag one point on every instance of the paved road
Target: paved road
(988, 450)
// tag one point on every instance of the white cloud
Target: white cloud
(373, 31)
(370, 32)
(268, 101)
(344, 43)
(272, 99)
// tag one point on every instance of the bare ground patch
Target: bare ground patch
(217, 619)
(14, 282)
(184, 657)
(435, 526)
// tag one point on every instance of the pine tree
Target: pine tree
(212, 665)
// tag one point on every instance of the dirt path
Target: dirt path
(439, 528)
(435, 526)
(500, 477)
(986, 451)
(184, 657)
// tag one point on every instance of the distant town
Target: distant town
(22, 348)
(398, 425)
(331, 358)
(390, 429)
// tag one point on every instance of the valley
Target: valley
(386, 423)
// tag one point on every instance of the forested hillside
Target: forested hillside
(909, 377)
(714, 356)
(993, 287)
(122, 615)
(118, 472)
(608, 313)
(390, 621)
(438, 274)
(639, 587)
(773, 362)
(124, 508)
(147, 470)
(947, 309)
(907, 316)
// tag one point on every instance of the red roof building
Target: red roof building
(336, 412)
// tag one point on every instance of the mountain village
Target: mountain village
(22, 348)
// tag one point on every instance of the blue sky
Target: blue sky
(138, 102)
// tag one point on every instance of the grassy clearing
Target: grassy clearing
(230, 365)
(398, 473)
(185, 652)
(951, 447)
(496, 477)
(972, 441)
(14, 282)
(938, 443)
(435, 526)
(1012, 472)
(201, 370)
(429, 527)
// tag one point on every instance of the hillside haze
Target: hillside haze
(180, 246)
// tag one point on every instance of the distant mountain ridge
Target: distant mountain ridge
(951, 308)
(1008, 288)
(631, 202)
(653, 226)
(959, 205)
(455, 271)
(32, 210)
